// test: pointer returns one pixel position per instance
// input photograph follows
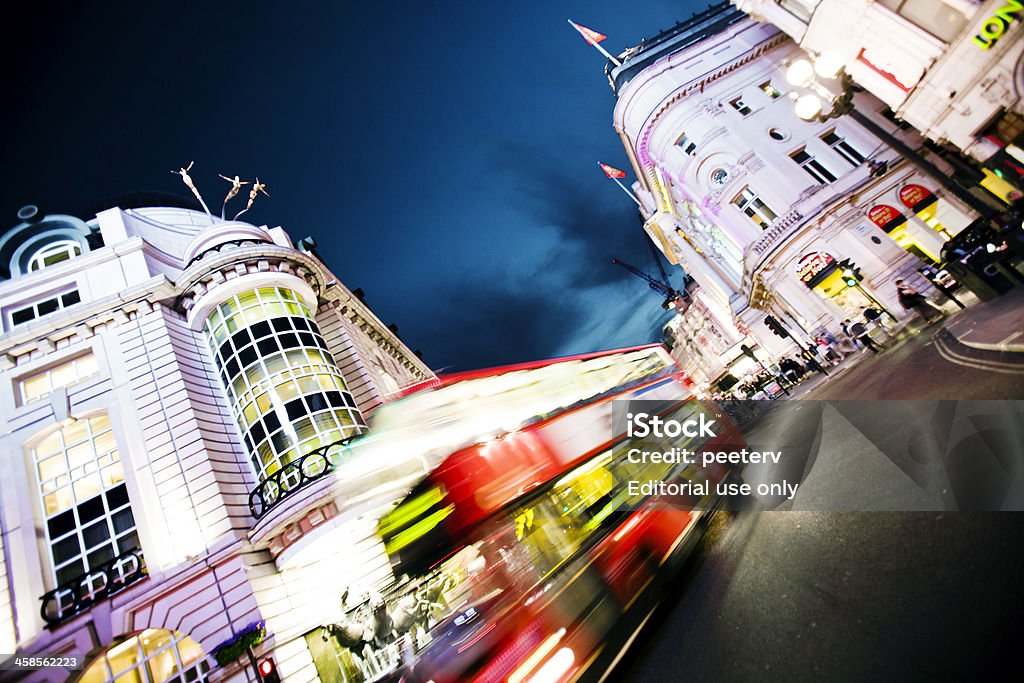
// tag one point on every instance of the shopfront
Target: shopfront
(938, 214)
(924, 243)
(836, 281)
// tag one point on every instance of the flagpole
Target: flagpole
(596, 45)
(626, 190)
(606, 54)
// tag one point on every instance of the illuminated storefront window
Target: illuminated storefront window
(153, 656)
(285, 390)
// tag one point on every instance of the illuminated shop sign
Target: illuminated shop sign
(811, 266)
(886, 217)
(916, 198)
(995, 26)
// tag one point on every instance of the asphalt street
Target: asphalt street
(799, 596)
(860, 595)
(926, 368)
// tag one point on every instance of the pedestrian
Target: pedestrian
(860, 331)
(845, 327)
(911, 299)
(791, 370)
(874, 319)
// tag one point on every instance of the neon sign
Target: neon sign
(996, 25)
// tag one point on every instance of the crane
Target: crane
(662, 286)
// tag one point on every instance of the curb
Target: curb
(955, 351)
(996, 323)
(1004, 346)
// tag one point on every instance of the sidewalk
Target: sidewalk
(809, 385)
(996, 325)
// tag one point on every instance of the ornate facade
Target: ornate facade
(751, 200)
(178, 394)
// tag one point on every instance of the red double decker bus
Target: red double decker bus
(536, 544)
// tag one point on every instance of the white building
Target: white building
(950, 68)
(703, 342)
(762, 208)
(160, 370)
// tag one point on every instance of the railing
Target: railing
(82, 592)
(295, 475)
(776, 231)
(221, 245)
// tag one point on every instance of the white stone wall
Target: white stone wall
(186, 471)
(690, 194)
(946, 91)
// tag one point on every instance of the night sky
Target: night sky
(443, 155)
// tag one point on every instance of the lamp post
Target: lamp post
(810, 106)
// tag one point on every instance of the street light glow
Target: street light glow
(807, 107)
(828, 64)
(800, 72)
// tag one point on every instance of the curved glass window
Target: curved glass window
(53, 253)
(285, 390)
(152, 656)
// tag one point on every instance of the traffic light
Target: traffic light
(851, 273)
(775, 326)
(268, 671)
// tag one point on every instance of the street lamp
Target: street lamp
(800, 72)
(810, 106)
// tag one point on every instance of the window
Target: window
(53, 253)
(89, 520)
(813, 167)
(778, 134)
(719, 177)
(153, 656)
(843, 148)
(939, 18)
(28, 313)
(686, 144)
(286, 392)
(39, 384)
(739, 105)
(749, 203)
(770, 90)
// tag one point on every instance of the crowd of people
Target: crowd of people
(872, 331)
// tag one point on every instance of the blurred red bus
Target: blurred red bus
(539, 545)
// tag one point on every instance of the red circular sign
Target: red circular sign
(912, 195)
(882, 214)
(811, 264)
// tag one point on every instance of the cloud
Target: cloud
(619, 314)
(577, 300)
(592, 219)
(483, 324)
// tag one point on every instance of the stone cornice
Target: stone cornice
(82, 321)
(359, 315)
(217, 267)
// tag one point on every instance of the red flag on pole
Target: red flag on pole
(611, 171)
(592, 37)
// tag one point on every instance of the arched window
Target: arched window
(54, 253)
(152, 656)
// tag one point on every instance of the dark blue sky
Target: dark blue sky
(442, 154)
